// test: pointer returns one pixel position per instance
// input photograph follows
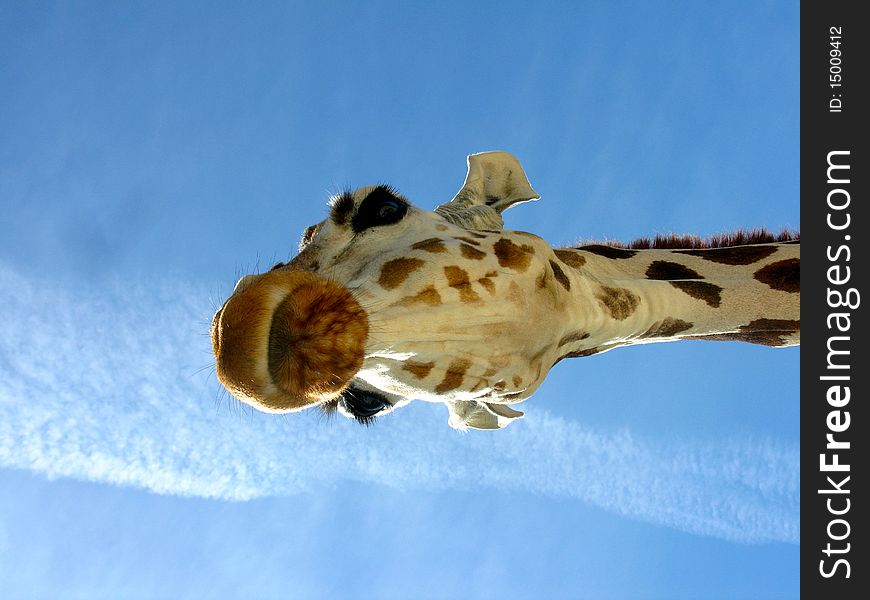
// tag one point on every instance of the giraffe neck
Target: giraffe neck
(620, 297)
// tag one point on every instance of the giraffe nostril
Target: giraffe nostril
(289, 339)
(316, 339)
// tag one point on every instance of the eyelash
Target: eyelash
(362, 420)
(331, 407)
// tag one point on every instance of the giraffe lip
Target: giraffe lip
(289, 339)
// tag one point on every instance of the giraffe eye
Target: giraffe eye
(380, 207)
(387, 210)
(362, 404)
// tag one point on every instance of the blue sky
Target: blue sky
(150, 154)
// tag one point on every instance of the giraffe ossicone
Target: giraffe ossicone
(386, 303)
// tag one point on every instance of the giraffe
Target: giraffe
(386, 303)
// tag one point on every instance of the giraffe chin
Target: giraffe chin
(286, 340)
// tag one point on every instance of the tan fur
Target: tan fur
(469, 240)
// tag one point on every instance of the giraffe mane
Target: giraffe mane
(672, 241)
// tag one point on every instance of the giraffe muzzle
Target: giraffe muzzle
(287, 339)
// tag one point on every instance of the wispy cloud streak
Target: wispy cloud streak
(102, 384)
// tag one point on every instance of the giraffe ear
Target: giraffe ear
(495, 179)
(480, 415)
(495, 182)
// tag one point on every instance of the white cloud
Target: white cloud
(102, 384)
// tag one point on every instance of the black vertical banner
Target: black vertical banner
(835, 169)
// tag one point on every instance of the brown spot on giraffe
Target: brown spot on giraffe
(619, 302)
(574, 336)
(394, 272)
(513, 256)
(560, 276)
(666, 270)
(441, 227)
(701, 290)
(418, 369)
(433, 245)
(783, 275)
(767, 332)
(608, 251)
(734, 255)
(667, 327)
(587, 352)
(517, 381)
(570, 258)
(470, 252)
(499, 386)
(515, 294)
(480, 383)
(581, 353)
(490, 372)
(487, 284)
(457, 278)
(542, 279)
(428, 295)
(453, 376)
(467, 240)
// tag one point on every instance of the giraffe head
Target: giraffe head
(386, 302)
